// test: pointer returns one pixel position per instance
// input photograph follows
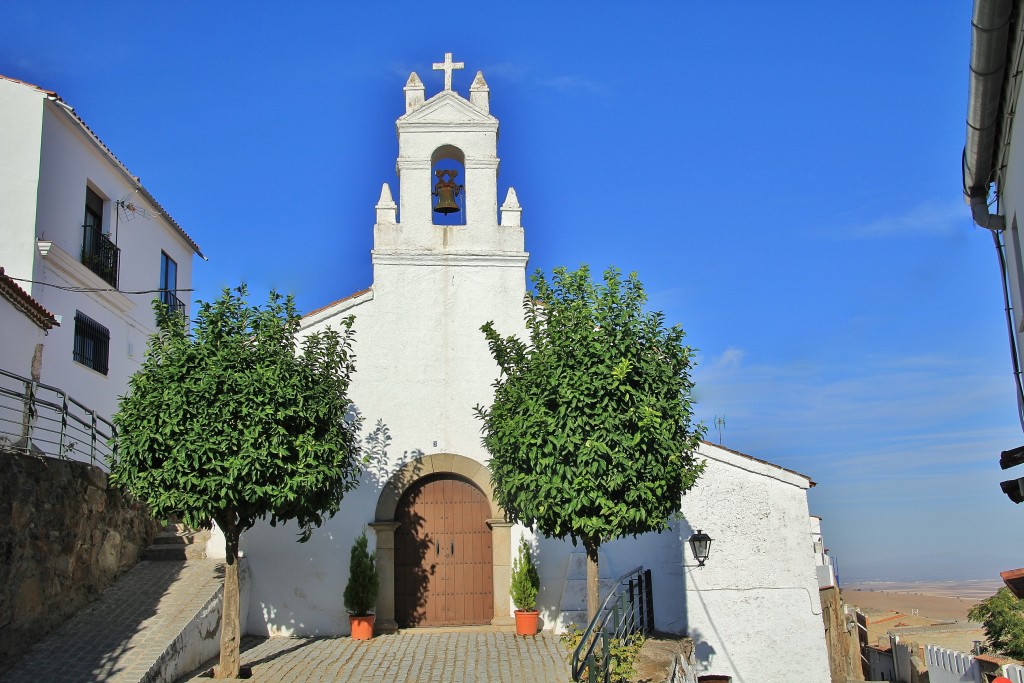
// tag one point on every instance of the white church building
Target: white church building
(443, 546)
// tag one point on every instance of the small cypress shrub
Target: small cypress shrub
(361, 591)
(525, 581)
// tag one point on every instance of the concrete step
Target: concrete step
(177, 546)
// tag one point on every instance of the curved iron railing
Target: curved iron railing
(627, 610)
(38, 419)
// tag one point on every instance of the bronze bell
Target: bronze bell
(446, 191)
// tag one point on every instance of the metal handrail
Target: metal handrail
(40, 419)
(629, 606)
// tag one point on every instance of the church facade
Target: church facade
(443, 547)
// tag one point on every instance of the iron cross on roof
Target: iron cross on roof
(448, 66)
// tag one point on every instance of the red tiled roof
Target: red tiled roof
(53, 96)
(1014, 580)
(23, 301)
(335, 303)
(995, 659)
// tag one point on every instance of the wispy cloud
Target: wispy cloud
(910, 413)
(934, 218)
(574, 84)
(903, 448)
(565, 83)
(508, 71)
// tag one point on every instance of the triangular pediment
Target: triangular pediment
(447, 107)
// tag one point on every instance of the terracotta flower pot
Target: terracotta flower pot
(526, 622)
(362, 627)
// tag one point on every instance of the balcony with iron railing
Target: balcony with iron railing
(173, 303)
(99, 254)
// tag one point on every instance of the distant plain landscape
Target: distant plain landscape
(932, 599)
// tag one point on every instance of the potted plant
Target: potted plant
(523, 589)
(361, 591)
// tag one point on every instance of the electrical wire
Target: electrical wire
(96, 289)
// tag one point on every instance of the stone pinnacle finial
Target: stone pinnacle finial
(511, 212)
(413, 92)
(447, 66)
(386, 206)
(479, 93)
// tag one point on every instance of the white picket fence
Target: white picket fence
(950, 666)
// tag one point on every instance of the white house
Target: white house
(82, 236)
(443, 546)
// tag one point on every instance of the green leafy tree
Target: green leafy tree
(590, 431)
(234, 422)
(1003, 618)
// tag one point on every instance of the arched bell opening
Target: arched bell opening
(448, 190)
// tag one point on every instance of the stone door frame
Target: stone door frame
(384, 526)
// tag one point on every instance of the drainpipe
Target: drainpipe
(990, 29)
(979, 211)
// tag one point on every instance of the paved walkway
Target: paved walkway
(427, 656)
(120, 636)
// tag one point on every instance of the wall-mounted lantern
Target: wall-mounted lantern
(700, 543)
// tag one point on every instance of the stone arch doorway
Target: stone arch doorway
(443, 555)
(440, 467)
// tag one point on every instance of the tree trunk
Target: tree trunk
(593, 582)
(230, 636)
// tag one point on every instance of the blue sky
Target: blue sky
(784, 177)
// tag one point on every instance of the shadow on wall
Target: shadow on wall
(704, 652)
(414, 569)
(661, 553)
(309, 578)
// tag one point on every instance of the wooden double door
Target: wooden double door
(443, 571)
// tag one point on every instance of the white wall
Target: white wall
(18, 339)
(21, 109)
(753, 609)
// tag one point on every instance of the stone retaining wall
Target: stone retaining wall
(64, 537)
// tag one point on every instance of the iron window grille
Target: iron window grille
(92, 343)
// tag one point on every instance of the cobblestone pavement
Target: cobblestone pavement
(120, 635)
(457, 656)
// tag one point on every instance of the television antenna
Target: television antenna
(719, 425)
(129, 209)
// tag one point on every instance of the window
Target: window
(99, 254)
(93, 210)
(92, 343)
(169, 284)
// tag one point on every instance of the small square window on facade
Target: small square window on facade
(92, 343)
